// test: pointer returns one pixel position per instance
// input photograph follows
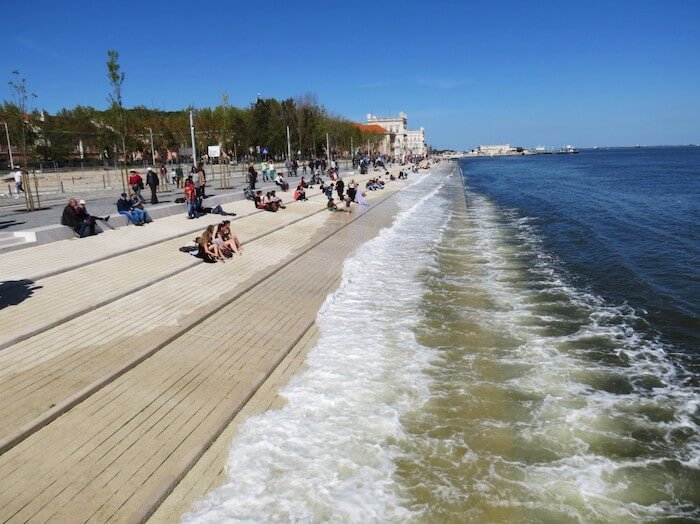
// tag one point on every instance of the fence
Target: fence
(109, 180)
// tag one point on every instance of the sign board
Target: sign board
(265, 151)
(184, 151)
(214, 151)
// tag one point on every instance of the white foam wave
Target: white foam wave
(328, 454)
(576, 416)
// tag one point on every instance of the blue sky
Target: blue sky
(528, 73)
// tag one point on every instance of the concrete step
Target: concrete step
(8, 243)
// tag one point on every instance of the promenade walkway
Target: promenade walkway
(119, 372)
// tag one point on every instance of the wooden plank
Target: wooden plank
(145, 425)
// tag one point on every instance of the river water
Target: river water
(519, 345)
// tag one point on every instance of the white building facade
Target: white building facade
(398, 141)
(415, 143)
(500, 149)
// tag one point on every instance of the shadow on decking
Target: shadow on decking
(13, 292)
(9, 223)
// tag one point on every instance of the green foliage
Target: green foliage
(116, 77)
(264, 123)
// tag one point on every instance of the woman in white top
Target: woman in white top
(360, 198)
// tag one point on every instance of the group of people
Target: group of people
(300, 192)
(136, 184)
(78, 218)
(315, 168)
(374, 184)
(218, 244)
(346, 195)
(269, 201)
(195, 191)
(132, 208)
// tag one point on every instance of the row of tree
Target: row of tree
(119, 133)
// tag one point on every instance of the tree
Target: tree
(22, 97)
(116, 77)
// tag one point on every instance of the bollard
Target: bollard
(62, 191)
(73, 179)
(104, 184)
(9, 190)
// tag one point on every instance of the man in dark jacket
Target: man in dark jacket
(153, 182)
(339, 187)
(252, 176)
(75, 218)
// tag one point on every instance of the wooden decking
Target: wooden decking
(120, 372)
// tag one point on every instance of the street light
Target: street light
(153, 153)
(9, 146)
(194, 153)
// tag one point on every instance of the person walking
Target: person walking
(136, 183)
(18, 181)
(152, 181)
(202, 182)
(191, 198)
(252, 176)
(195, 179)
(339, 187)
(352, 188)
(180, 175)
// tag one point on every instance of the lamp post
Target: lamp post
(289, 147)
(153, 152)
(9, 146)
(194, 151)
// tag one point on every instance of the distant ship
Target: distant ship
(539, 150)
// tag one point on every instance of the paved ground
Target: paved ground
(14, 216)
(126, 359)
(101, 202)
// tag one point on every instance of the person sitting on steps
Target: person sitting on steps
(207, 250)
(134, 214)
(225, 239)
(258, 200)
(75, 218)
(270, 204)
(300, 194)
(277, 200)
(83, 206)
(139, 205)
(282, 183)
